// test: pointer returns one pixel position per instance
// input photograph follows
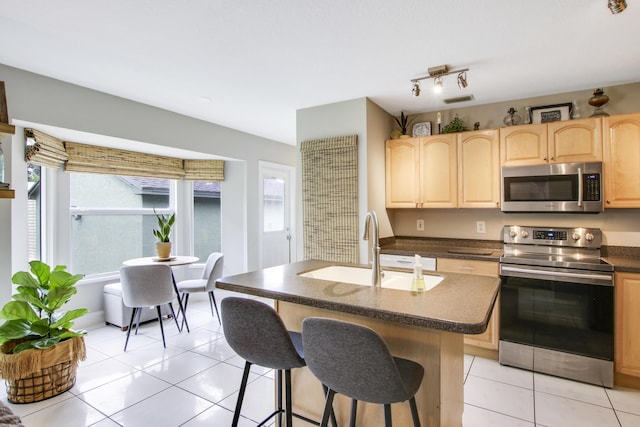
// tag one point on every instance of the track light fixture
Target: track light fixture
(416, 89)
(437, 73)
(617, 6)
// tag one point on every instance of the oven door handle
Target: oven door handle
(562, 274)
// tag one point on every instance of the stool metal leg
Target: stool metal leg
(243, 386)
(354, 410)
(328, 408)
(287, 396)
(387, 415)
(414, 412)
(161, 326)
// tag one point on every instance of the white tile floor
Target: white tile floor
(194, 382)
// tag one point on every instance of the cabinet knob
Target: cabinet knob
(609, 202)
(551, 158)
(545, 159)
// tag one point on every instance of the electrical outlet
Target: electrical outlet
(420, 225)
(481, 227)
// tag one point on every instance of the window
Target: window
(112, 218)
(273, 204)
(206, 218)
(34, 215)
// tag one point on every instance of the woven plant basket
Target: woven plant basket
(35, 375)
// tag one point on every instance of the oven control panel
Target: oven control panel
(553, 236)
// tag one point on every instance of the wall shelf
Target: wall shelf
(7, 194)
(7, 129)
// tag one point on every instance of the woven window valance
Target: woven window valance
(95, 159)
(44, 150)
(330, 198)
(204, 170)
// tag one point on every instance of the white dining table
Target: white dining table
(173, 261)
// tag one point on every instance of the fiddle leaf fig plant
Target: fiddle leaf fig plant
(34, 318)
(165, 223)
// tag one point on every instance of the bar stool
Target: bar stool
(355, 361)
(256, 333)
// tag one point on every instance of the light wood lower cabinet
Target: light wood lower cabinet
(627, 329)
(489, 339)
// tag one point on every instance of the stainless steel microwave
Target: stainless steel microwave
(559, 187)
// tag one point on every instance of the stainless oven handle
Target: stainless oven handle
(557, 273)
(580, 189)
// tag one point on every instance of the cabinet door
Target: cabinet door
(439, 171)
(524, 145)
(479, 169)
(402, 173)
(575, 140)
(622, 161)
(489, 338)
(627, 326)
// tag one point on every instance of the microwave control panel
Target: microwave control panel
(591, 187)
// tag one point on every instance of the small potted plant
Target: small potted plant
(403, 122)
(163, 233)
(39, 350)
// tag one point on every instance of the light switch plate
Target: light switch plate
(420, 225)
(481, 227)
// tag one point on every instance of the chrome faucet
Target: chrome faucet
(376, 270)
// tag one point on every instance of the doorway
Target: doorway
(277, 241)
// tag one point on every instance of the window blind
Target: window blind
(44, 150)
(330, 198)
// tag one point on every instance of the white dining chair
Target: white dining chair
(206, 283)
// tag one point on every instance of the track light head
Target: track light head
(416, 89)
(617, 6)
(437, 84)
(462, 80)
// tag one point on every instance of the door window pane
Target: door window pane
(34, 215)
(273, 204)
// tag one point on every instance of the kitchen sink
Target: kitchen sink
(362, 276)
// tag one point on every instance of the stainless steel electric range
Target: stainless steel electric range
(556, 303)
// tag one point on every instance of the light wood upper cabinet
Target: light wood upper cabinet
(622, 161)
(627, 324)
(479, 169)
(524, 145)
(402, 173)
(556, 142)
(421, 172)
(575, 141)
(439, 171)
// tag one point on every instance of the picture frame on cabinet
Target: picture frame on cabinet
(551, 113)
(422, 129)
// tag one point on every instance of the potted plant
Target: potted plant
(39, 350)
(163, 233)
(403, 122)
(456, 125)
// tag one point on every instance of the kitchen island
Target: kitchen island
(427, 327)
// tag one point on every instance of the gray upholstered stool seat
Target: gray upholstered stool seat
(146, 286)
(354, 360)
(257, 334)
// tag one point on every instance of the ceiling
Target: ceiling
(249, 65)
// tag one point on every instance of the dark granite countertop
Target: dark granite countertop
(461, 303)
(480, 250)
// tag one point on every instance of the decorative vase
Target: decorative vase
(163, 249)
(512, 118)
(598, 100)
